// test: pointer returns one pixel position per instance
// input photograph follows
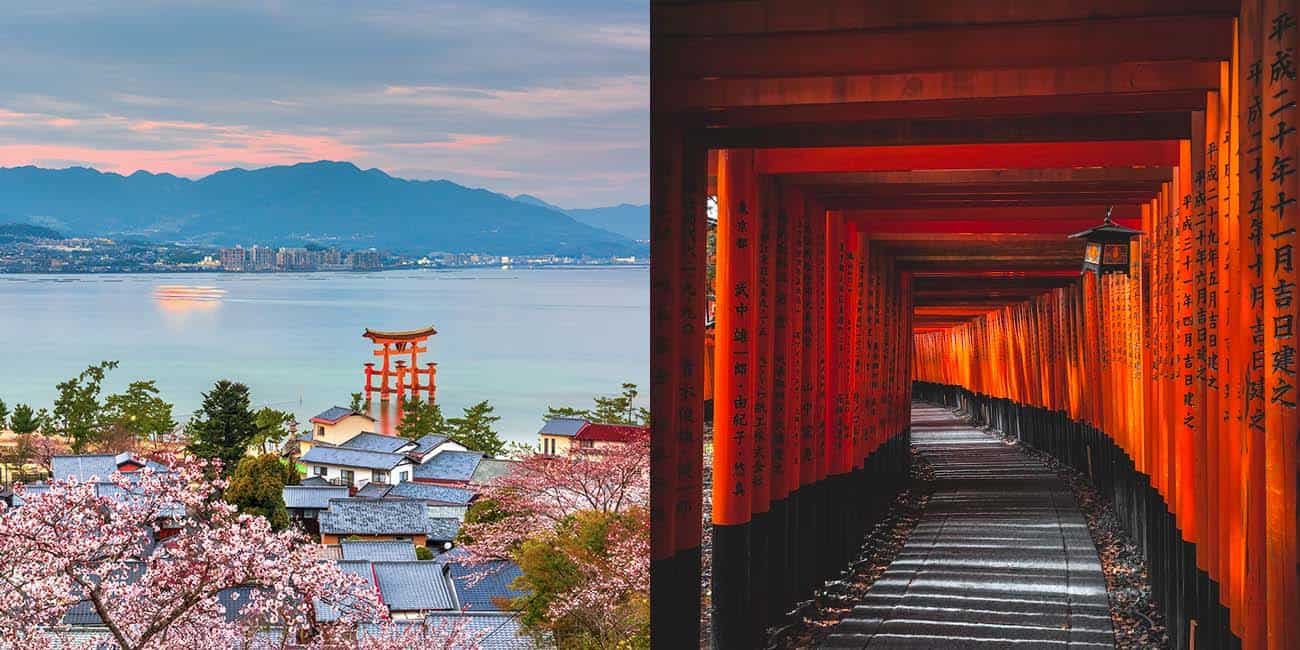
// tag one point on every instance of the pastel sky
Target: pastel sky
(545, 97)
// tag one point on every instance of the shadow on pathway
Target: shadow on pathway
(1001, 557)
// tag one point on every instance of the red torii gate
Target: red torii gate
(400, 342)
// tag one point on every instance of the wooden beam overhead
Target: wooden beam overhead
(987, 177)
(1090, 79)
(1034, 128)
(1057, 105)
(918, 218)
(901, 229)
(763, 16)
(849, 52)
(1161, 153)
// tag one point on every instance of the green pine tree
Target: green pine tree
(421, 418)
(474, 430)
(224, 426)
(24, 420)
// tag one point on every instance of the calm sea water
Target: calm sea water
(523, 339)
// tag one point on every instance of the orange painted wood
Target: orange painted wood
(733, 415)
(982, 156)
(958, 47)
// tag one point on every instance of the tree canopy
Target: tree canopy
(619, 409)
(257, 488)
(474, 429)
(224, 426)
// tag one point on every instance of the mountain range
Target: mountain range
(329, 203)
(631, 221)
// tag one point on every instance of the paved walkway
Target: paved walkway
(1001, 556)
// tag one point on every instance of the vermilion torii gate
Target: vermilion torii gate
(886, 171)
(401, 376)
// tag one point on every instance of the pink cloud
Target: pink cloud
(253, 150)
(457, 141)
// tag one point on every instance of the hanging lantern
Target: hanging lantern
(1108, 247)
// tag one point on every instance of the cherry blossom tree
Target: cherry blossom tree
(154, 553)
(540, 491)
(579, 528)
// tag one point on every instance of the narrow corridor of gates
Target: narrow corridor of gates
(855, 203)
(1001, 555)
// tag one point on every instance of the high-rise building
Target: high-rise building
(234, 259)
(261, 258)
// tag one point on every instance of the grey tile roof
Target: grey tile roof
(351, 458)
(500, 631)
(430, 492)
(424, 444)
(386, 551)
(413, 586)
(83, 614)
(443, 529)
(478, 586)
(375, 517)
(362, 570)
(102, 489)
(335, 413)
(312, 496)
(449, 466)
(562, 427)
(490, 468)
(367, 441)
(83, 467)
(314, 480)
(373, 490)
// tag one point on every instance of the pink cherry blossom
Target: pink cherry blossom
(78, 542)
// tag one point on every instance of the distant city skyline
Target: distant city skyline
(545, 98)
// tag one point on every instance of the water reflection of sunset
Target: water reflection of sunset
(178, 302)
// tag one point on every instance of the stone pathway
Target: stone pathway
(1001, 558)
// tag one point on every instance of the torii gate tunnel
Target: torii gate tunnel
(895, 183)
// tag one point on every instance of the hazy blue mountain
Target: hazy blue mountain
(631, 221)
(322, 202)
(25, 232)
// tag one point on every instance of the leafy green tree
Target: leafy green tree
(481, 511)
(420, 418)
(257, 488)
(553, 412)
(77, 410)
(224, 426)
(4, 414)
(584, 556)
(272, 428)
(140, 412)
(24, 420)
(474, 430)
(621, 409)
(357, 402)
(423, 553)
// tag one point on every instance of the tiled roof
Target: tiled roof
(500, 631)
(490, 468)
(449, 466)
(428, 492)
(478, 586)
(373, 490)
(424, 444)
(335, 413)
(351, 458)
(83, 614)
(374, 517)
(101, 489)
(609, 432)
(83, 467)
(413, 586)
(362, 570)
(443, 529)
(367, 441)
(312, 496)
(562, 427)
(314, 480)
(372, 551)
